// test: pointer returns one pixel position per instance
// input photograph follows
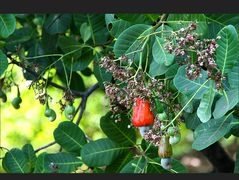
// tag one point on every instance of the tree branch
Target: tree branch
(76, 93)
(219, 158)
(81, 107)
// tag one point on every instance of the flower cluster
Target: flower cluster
(130, 85)
(154, 134)
(197, 54)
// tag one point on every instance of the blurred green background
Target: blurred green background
(29, 125)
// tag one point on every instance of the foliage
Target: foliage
(185, 65)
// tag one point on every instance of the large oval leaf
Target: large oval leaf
(233, 77)
(160, 55)
(101, 152)
(226, 103)
(227, 52)
(189, 87)
(128, 40)
(57, 163)
(15, 161)
(70, 137)
(211, 131)
(7, 25)
(3, 63)
(204, 111)
(118, 131)
(136, 165)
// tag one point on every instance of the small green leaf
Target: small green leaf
(226, 103)
(101, 152)
(3, 63)
(7, 25)
(211, 131)
(30, 155)
(70, 137)
(15, 161)
(85, 32)
(228, 47)
(136, 165)
(57, 23)
(96, 22)
(57, 163)
(118, 131)
(160, 55)
(204, 111)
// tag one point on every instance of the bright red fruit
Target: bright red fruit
(142, 115)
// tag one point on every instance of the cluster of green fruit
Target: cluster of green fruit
(69, 112)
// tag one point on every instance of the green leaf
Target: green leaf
(85, 32)
(30, 155)
(233, 77)
(20, 35)
(211, 131)
(70, 137)
(128, 40)
(149, 149)
(76, 83)
(236, 169)
(136, 18)
(116, 26)
(57, 23)
(7, 25)
(118, 131)
(226, 103)
(228, 47)
(15, 161)
(204, 111)
(160, 55)
(192, 121)
(100, 73)
(4, 63)
(155, 167)
(119, 163)
(156, 69)
(223, 19)
(101, 152)
(172, 71)
(189, 87)
(96, 22)
(136, 165)
(183, 99)
(57, 163)
(68, 44)
(178, 21)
